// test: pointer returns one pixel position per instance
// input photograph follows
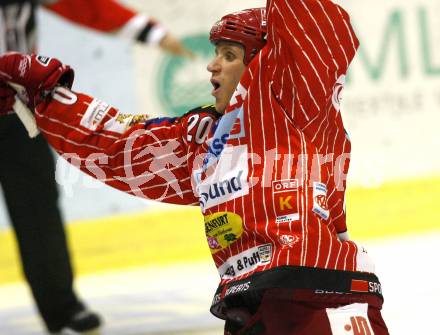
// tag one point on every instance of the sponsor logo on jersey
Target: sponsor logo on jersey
(318, 291)
(122, 122)
(94, 114)
(320, 200)
(285, 193)
(359, 285)
(374, 287)
(246, 261)
(238, 288)
(222, 229)
(24, 65)
(228, 290)
(287, 241)
(131, 119)
(287, 218)
(359, 325)
(213, 243)
(230, 126)
(350, 319)
(365, 286)
(43, 60)
(221, 191)
(228, 180)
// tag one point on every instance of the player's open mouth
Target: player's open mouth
(216, 86)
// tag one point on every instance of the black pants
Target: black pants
(27, 176)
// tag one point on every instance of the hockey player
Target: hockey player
(27, 169)
(267, 166)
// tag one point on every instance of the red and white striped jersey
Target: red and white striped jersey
(290, 103)
(269, 175)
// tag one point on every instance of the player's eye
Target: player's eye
(230, 56)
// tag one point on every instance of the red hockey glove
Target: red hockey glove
(7, 98)
(37, 75)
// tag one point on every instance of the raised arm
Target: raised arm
(147, 158)
(311, 44)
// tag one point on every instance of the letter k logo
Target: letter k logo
(285, 203)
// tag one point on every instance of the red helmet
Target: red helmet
(247, 27)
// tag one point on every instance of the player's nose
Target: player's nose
(213, 65)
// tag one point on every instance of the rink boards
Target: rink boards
(174, 234)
